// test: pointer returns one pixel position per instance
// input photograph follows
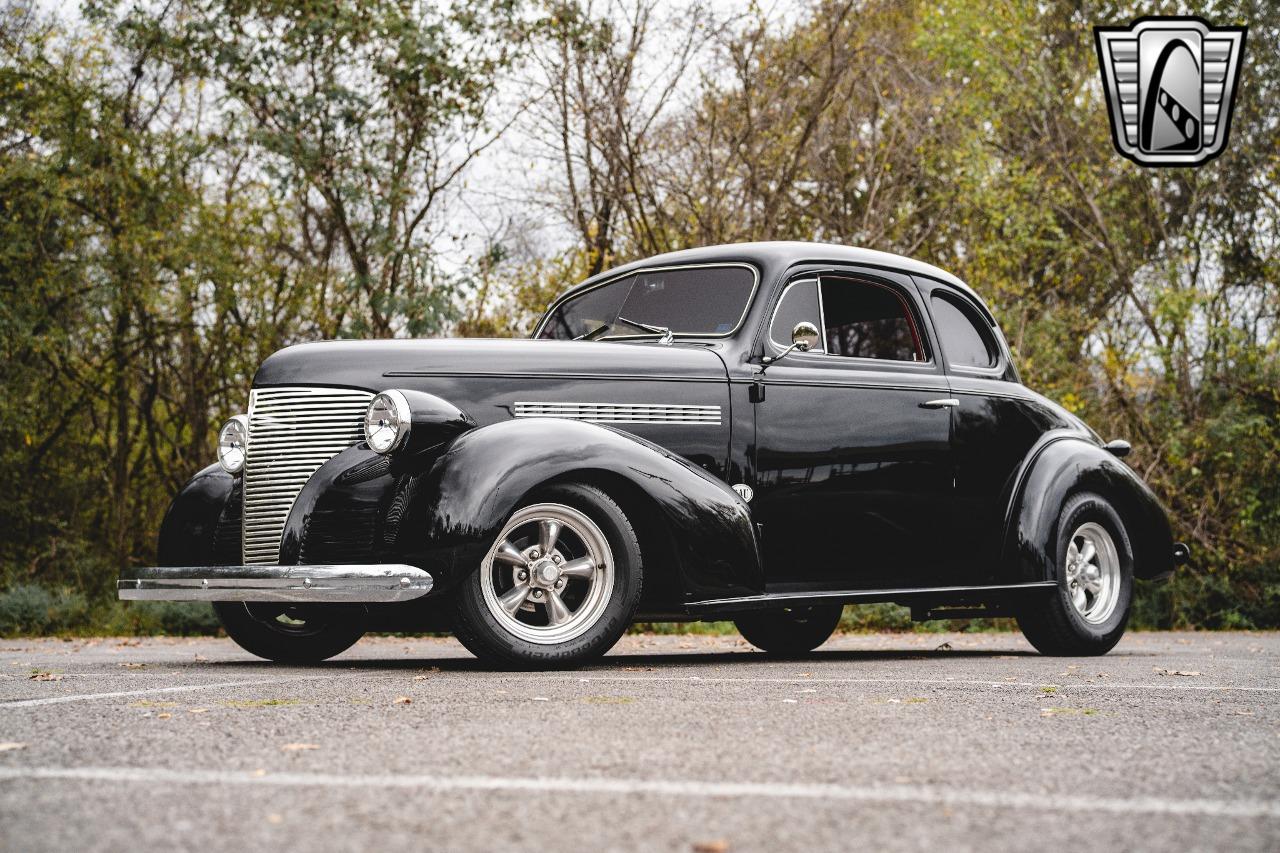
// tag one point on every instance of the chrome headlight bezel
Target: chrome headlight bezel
(387, 421)
(233, 444)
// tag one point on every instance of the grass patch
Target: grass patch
(28, 610)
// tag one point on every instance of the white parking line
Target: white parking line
(1066, 685)
(908, 794)
(118, 694)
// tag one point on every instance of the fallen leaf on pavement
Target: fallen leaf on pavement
(403, 700)
(1174, 672)
(945, 647)
(166, 715)
(717, 846)
(44, 675)
(132, 665)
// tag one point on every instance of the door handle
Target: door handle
(948, 403)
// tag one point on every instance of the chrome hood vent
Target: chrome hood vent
(292, 432)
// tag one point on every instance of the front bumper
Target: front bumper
(375, 583)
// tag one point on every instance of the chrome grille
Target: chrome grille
(292, 432)
(621, 413)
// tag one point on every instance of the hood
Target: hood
(377, 365)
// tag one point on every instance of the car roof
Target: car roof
(774, 257)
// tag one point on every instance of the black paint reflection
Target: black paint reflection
(852, 475)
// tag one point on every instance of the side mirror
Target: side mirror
(804, 337)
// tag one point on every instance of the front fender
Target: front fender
(202, 525)
(485, 474)
(1061, 467)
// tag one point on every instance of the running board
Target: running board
(933, 596)
(369, 584)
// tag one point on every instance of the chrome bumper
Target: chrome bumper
(384, 582)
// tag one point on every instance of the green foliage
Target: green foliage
(182, 192)
(185, 189)
(28, 609)
(1145, 300)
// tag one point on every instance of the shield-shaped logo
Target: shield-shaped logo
(1170, 85)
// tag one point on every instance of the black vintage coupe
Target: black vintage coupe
(760, 432)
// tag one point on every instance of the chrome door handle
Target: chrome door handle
(949, 403)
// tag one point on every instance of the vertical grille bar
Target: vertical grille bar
(292, 432)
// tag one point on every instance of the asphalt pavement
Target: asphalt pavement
(687, 743)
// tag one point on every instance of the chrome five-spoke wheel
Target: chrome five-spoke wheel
(1087, 613)
(548, 577)
(1093, 572)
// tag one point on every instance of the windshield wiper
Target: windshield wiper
(667, 336)
(657, 330)
(597, 332)
(594, 333)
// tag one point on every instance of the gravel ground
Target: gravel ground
(884, 742)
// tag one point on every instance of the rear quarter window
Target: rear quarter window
(966, 339)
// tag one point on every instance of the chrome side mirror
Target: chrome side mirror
(804, 337)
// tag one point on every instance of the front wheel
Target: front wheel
(559, 585)
(1087, 613)
(292, 633)
(791, 631)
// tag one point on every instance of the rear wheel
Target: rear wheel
(559, 585)
(1087, 613)
(292, 633)
(790, 631)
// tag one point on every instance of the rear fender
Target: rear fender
(1065, 465)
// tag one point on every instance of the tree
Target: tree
(363, 114)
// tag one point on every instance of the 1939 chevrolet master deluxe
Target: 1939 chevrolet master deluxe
(760, 432)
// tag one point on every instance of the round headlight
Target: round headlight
(386, 423)
(233, 441)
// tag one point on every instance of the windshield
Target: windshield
(703, 301)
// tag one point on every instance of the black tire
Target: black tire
(313, 632)
(791, 631)
(477, 628)
(1054, 625)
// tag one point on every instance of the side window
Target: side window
(865, 320)
(799, 304)
(965, 338)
